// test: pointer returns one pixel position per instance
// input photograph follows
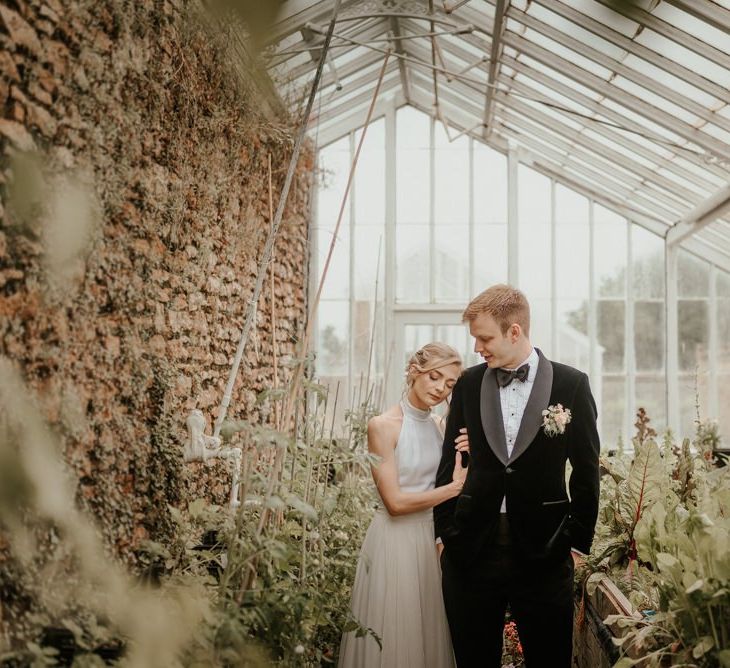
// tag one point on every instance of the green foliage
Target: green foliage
(664, 538)
(291, 548)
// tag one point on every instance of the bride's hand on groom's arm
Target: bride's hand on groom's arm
(462, 441)
(460, 471)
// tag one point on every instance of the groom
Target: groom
(511, 536)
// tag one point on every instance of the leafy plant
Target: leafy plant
(665, 521)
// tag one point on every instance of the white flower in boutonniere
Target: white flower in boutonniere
(554, 419)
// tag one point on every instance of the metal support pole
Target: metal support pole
(389, 276)
(671, 324)
(713, 407)
(554, 329)
(512, 218)
(629, 335)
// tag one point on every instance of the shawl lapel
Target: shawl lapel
(490, 408)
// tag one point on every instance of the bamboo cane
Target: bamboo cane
(268, 248)
(274, 346)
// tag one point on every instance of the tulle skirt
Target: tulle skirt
(397, 594)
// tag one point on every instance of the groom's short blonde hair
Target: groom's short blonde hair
(504, 303)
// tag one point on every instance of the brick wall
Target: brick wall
(148, 108)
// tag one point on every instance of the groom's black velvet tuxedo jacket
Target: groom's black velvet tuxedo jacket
(543, 521)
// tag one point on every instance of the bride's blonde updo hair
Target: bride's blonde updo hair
(429, 357)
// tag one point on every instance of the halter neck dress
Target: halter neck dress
(397, 589)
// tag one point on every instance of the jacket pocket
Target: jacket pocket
(555, 503)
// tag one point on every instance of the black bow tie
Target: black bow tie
(506, 376)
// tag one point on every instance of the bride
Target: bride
(397, 589)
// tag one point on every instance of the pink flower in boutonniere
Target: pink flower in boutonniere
(554, 419)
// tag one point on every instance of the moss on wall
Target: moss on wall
(149, 109)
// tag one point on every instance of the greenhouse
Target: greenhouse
(365, 333)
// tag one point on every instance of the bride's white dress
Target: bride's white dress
(397, 590)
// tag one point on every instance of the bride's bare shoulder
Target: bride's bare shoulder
(388, 421)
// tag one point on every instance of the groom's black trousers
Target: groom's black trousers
(540, 597)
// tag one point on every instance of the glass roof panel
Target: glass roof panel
(510, 51)
(473, 50)
(679, 54)
(653, 146)
(548, 100)
(588, 133)
(342, 97)
(605, 15)
(352, 55)
(718, 133)
(562, 117)
(677, 178)
(573, 31)
(675, 83)
(348, 82)
(724, 111)
(567, 55)
(555, 74)
(657, 101)
(456, 48)
(653, 131)
(690, 166)
(689, 24)
(483, 8)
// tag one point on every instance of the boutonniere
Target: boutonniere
(554, 419)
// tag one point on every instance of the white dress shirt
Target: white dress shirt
(513, 399)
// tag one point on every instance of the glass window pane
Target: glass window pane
(540, 328)
(722, 362)
(611, 411)
(333, 325)
(651, 396)
(572, 259)
(611, 320)
(458, 337)
(490, 256)
(337, 281)
(451, 197)
(412, 166)
(649, 336)
(693, 401)
(415, 336)
(574, 344)
(610, 241)
(693, 335)
(723, 400)
(334, 165)
(369, 253)
(534, 197)
(451, 263)
(369, 192)
(412, 262)
(693, 276)
(723, 284)
(534, 235)
(648, 255)
(490, 185)
(360, 334)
